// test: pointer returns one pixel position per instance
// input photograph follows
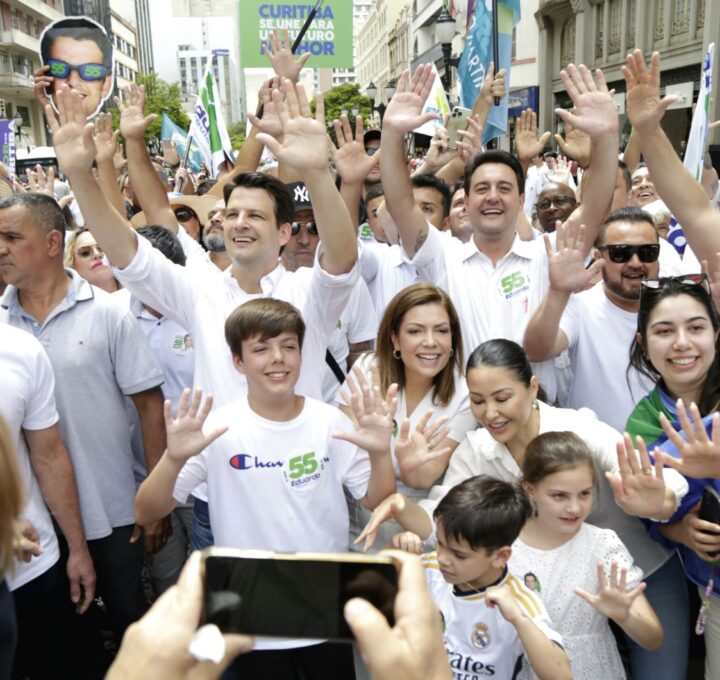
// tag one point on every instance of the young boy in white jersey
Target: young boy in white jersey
(275, 463)
(490, 618)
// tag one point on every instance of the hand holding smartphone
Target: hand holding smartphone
(459, 120)
(293, 595)
(710, 509)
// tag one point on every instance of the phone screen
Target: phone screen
(289, 597)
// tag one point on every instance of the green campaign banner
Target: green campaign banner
(329, 39)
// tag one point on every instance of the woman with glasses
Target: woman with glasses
(83, 254)
(419, 349)
(676, 346)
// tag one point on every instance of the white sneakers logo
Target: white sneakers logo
(301, 194)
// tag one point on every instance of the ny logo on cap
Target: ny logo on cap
(301, 194)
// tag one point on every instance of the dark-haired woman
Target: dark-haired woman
(504, 400)
(419, 348)
(676, 345)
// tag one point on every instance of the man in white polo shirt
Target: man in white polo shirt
(40, 592)
(495, 280)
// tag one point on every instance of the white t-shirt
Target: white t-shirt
(491, 301)
(587, 637)
(599, 335)
(278, 485)
(460, 418)
(358, 323)
(200, 300)
(386, 270)
(27, 402)
(669, 260)
(480, 643)
(480, 454)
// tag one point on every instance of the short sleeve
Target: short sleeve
(360, 313)
(462, 421)
(193, 473)
(430, 259)
(614, 550)
(136, 369)
(354, 462)
(40, 410)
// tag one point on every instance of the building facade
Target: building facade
(361, 9)
(21, 24)
(144, 36)
(600, 33)
(125, 42)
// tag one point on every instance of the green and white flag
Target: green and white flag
(207, 127)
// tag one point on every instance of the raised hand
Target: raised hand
(637, 490)
(700, 453)
(527, 143)
(351, 160)
(392, 507)
(613, 599)
(304, 139)
(594, 112)
(42, 83)
(414, 449)
(566, 264)
(106, 141)
(575, 145)
(72, 134)
(133, 122)
(169, 153)
(270, 123)
(41, 182)
(407, 541)
(493, 85)
(373, 414)
(185, 437)
(470, 143)
(644, 107)
(560, 173)
(404, 112)
(281, 58)
(438, 154)
(713, 274)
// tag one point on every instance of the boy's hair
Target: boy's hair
(165, 241)
(264, 319)
(485, 512)
(375, 191)
(433, 182)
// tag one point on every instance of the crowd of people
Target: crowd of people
(491, 359)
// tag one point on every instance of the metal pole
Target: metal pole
(496, 48)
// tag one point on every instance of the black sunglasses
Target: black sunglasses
(184, 214)
(687, 279)
(621, 253)
(310, 226)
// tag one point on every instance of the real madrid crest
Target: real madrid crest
(480, 637)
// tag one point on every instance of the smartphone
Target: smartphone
(458, 120)
(293, 595)
(710, 508)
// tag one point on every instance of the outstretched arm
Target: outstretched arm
(403, 115)
(304, 149)
(146, 184)
(594, 115)
(106, 145)
(75, 150)
(676, 186)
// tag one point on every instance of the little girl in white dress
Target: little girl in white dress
(568, 561)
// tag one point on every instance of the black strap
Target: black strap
(330, 361)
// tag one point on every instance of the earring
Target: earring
(535, 404)
(396, 353)
(452, 351)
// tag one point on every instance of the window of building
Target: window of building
(660, 21)
(567, 42)
(630, 40)
(615, 28)
(599, 30)
(681, 17)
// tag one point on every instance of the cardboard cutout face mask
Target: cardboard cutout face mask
(79, 54)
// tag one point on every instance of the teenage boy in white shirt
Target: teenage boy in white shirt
(275, 464)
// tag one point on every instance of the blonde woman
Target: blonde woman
(83, 254)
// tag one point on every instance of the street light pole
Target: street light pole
(444, 34)
(372, 92)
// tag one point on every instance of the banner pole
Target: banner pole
(496, 48)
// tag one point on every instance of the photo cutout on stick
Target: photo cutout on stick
(77, 52)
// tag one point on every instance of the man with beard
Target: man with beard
(556, 201)
(599, 323)
(213, 237)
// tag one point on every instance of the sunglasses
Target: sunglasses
(310, 226)
(61, 69)
(559, 202)
(686, 279)
(621, 253)
(371, 150)
(184, 215)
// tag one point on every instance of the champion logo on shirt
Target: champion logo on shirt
(244, 461)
